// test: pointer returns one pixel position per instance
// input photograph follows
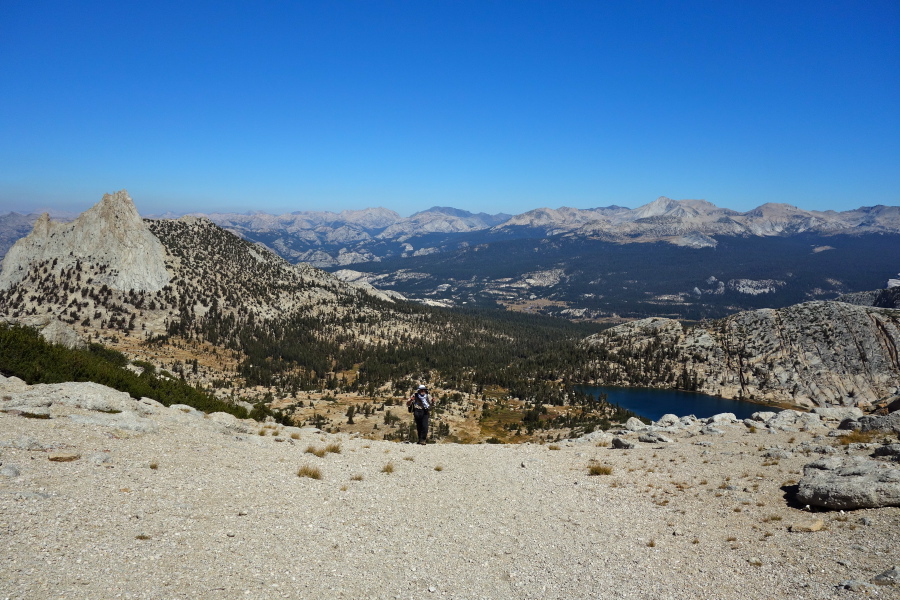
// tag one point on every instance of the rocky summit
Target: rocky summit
(111, 236)
(105, 496)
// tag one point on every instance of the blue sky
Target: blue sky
(495, 106)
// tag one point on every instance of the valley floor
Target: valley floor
(168, 503)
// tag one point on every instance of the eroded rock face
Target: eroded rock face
(110, 239)
(848, 483)
(812, 354)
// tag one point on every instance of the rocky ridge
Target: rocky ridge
(811, 354)
(111, 237)
(102, 494)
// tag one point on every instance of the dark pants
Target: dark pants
(421, 415)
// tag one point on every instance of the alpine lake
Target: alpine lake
(654, 403)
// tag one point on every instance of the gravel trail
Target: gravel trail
(203, 507)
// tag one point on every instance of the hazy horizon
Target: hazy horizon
(67, 213)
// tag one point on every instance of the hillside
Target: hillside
(233, 318)
(810, 354)
(107, 495)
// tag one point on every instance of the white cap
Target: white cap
(422, 387)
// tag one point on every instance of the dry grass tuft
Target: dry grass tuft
(356, 477)
(311, 472)
(860, 437)
(333, 448)
(320, 452)
(295, 436)
(388, 468)
(438, 468)
(553, 447)
(600, 470)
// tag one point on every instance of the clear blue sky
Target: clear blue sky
(495, 106)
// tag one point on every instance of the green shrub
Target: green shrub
(26, 355)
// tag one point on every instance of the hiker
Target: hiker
(420, 404)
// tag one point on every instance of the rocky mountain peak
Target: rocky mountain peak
(110, 239)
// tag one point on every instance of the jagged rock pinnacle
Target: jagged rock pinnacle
(111, 235)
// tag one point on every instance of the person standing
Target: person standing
(421, 403)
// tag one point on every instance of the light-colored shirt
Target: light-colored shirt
(422, 400)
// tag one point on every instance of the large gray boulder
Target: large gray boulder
(721, 419)
(668, 420)
(622, 444)
(889, 422)
(654, 437)
(635, 424)
(837, 413)
(792, 420)
(848, 483)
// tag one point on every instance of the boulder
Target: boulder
(807, 526)
(668, 420)
(889, 577)
(848, 483)
(777, 453)
(849, 424)
(635, 424)
(785, 420)
(888, 450)
(808, 421)
(893, 403)
(595, 437)
(810, 447)
(228, 422)
(889, 422)
(837, 413)
(722, 419)
(622, 444)
(654, 437)
(763, 416)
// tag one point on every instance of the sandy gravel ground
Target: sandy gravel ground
(208, 508)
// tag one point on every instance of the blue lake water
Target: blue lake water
(652, 403)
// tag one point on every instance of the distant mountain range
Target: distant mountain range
(327, 239)
(678, 258)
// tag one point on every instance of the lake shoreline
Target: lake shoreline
(652, 403)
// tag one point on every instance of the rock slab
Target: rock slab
(849, 483)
